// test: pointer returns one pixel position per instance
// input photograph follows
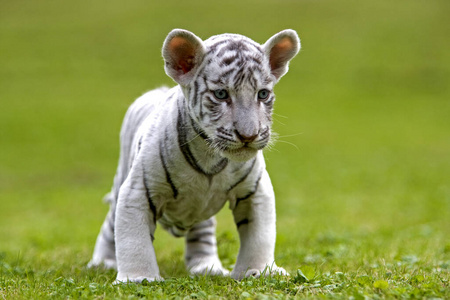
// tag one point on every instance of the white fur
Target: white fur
(169, 172)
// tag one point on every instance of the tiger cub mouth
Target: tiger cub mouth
(240, 154)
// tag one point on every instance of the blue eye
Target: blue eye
(263, 94)
(221, 94)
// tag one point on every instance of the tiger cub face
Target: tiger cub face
(228, 83)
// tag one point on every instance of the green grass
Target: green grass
(361, 170)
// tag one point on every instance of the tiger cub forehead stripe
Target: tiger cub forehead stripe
(188, 150)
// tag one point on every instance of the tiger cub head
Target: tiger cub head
(228, 82)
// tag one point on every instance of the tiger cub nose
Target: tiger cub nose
(246, 137)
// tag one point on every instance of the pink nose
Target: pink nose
(246, 138)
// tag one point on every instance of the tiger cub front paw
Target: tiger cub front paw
(207, 266)
(268, 271)
(139, 279)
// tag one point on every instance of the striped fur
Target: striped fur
(188, 150)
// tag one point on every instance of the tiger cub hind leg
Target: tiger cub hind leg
(201, 250)
(105, 247)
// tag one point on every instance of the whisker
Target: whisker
(188, 141)
(275, 138)
(278, 115)
(271, 149)
(289, 143)
(278, 121)
(290, 135)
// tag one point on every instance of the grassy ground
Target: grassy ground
(361, 170)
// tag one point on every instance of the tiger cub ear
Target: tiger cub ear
(183, 52)
(280, 49)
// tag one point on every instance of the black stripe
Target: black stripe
(264, 135)
(189, 156)
(180, 228)
(267, 80)
(176, 234)
(251, 193)
(219, 167)
(215, 111)
(197, 93)
(223, 51)
(255, 47)
(184, 147)
(218, 81)
(229, 60)
(202, 225)
(198, 130)
(139, 144)
(205, 81)
(211, 102)
(237, 46)
(150, 201)
(243, 222)
(225, 132)
(199, 233)
(216, 116)
(108, 237)
(201, 93)
(198, 253)
(233, 45)
(226, 138)
(226, 74)
(252, 82)
(170, 96)
(213, 47)
(166, 170)
(199, 240)
(238, 200)
(243, 177)
(256, 60)
(239, 77)
(202, 115)
(111, 223)
(252, 79)
(194, 97)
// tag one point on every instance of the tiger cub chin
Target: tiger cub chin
(187, 150)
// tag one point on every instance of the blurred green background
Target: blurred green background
(363, 117)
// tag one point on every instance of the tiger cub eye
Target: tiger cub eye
(221, 94)
(263, 94)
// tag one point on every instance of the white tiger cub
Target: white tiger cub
(187, 150)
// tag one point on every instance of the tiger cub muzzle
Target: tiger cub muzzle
(245, 125)
(241, 146)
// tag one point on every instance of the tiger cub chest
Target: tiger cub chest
(187, 196)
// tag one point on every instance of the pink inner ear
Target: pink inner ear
(186, 64)
(280, 53)
(182, 53)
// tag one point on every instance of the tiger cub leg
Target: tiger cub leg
(105, 248)
(201, 250)
(135, 225)
(255, 220)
